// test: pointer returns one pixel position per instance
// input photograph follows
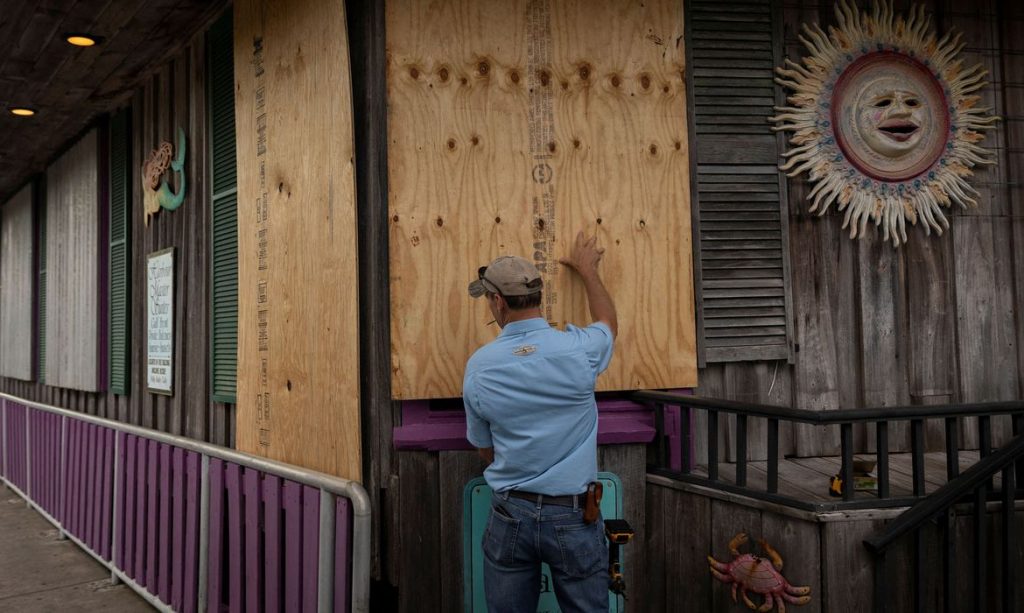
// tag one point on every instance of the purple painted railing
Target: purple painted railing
(190, 526)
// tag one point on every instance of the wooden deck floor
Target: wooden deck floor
(808, 478)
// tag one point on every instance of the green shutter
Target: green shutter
(739, 208)
(224, 222)
(41, 305)
(120, 235)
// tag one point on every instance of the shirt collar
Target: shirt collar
(524, 325)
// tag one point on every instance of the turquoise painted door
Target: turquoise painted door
(475, 507)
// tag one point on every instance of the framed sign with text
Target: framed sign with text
(160, 322)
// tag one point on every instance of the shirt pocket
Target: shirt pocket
(500, 537)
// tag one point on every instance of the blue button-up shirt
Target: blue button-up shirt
(529, 394)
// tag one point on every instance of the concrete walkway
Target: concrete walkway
(40, 573)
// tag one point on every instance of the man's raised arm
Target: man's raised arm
(584, 259)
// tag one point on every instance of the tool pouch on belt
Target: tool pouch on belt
(593, 505)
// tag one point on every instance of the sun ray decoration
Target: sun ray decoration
(884, 120)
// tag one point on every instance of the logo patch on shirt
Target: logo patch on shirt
(522, 350)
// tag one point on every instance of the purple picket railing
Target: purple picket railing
(188, 525)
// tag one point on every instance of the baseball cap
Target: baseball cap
(508, 275)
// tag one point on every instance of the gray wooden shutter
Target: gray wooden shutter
(224, 222)
(40, 203)
(120, 252)
(739, 210)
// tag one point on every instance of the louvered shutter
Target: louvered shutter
(41, 288)
(224, 223)
(120, 260)
(740, 242)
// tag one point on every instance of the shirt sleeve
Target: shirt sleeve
(597, 342)
(478, 429)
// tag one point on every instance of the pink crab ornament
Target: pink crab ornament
(748, 572)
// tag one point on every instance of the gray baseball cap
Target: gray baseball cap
(508, 275)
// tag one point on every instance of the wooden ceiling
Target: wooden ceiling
(70, 86)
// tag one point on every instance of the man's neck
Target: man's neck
(522, 314)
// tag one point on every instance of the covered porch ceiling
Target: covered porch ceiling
(69, 86)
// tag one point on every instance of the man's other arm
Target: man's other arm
(584, 259)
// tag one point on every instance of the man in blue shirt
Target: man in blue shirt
(531, 413)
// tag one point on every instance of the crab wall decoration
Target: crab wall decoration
(748, 572)
(885, 120)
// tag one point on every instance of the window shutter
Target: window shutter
(41, 289)
(120, 235)
(739, 212)
(224, 248)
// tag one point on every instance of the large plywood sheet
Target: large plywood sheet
(73, 262)
(298, 348)
(513, 124)
(16, 276)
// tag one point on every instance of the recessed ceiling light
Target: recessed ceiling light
(81, 40)
(22, 111)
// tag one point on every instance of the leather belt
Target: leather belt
(570, 500)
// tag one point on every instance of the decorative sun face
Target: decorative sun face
(890, 119)
(884, 119)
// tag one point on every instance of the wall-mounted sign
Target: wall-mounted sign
(160, 322)
(885, 120)
(156, 193)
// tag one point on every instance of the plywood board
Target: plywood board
(298, 349)
(16, 283)
(73, 263)
(512, 126)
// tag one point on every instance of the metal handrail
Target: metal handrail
(361, 512)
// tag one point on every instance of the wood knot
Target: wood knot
(599, 220)
(483, 68)
(645, 81)
(451, 143)
(576, 143)
(679, 145)
(414, 72)
(443, 74)
(616, 80)
(545, 77)
(643, 224)
(653, 149)
(666, 89)
(463, 80)
(497, 220)
(475, 140)
(552, 146)
(584, 72)
(439, 222)
(540, 224)
(513, 76)
(565, 85)
(395, 219)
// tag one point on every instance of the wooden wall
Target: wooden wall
(513, 126)
(17, 274)
(173, 96)
(937, 321)
(298, 386)
(75, 258)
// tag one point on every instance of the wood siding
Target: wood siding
(172, 96)
(937, 321)
(17, 282)
(74, 258)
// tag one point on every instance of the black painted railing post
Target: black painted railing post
(917, 454)
(846, 470)
(882, 451)
(949, 555)
(685, 440)
(1009, 539)
(952, 449)
(985, 440)
(741, 450)
(712, 445)
(919, 568)
(1018, 429)
(980, 548)
(659, 428)
(773, 455)
(881, 595)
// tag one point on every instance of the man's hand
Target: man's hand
(585, 255)
(584, 259)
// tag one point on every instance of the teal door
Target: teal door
(475, 508)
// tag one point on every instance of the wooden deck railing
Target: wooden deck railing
(844, 419)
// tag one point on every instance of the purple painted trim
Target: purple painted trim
(236, 552)
(310, 546)
(619, 421)
(130, 477)
(140, 510)
(251, 488)
(178, 530)
(342, 555)
(216, 519)
(152, 518)
(292, 547)
(163, 571)
(191, 561)
(272, 522)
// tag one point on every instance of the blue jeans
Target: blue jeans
(520, 535)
